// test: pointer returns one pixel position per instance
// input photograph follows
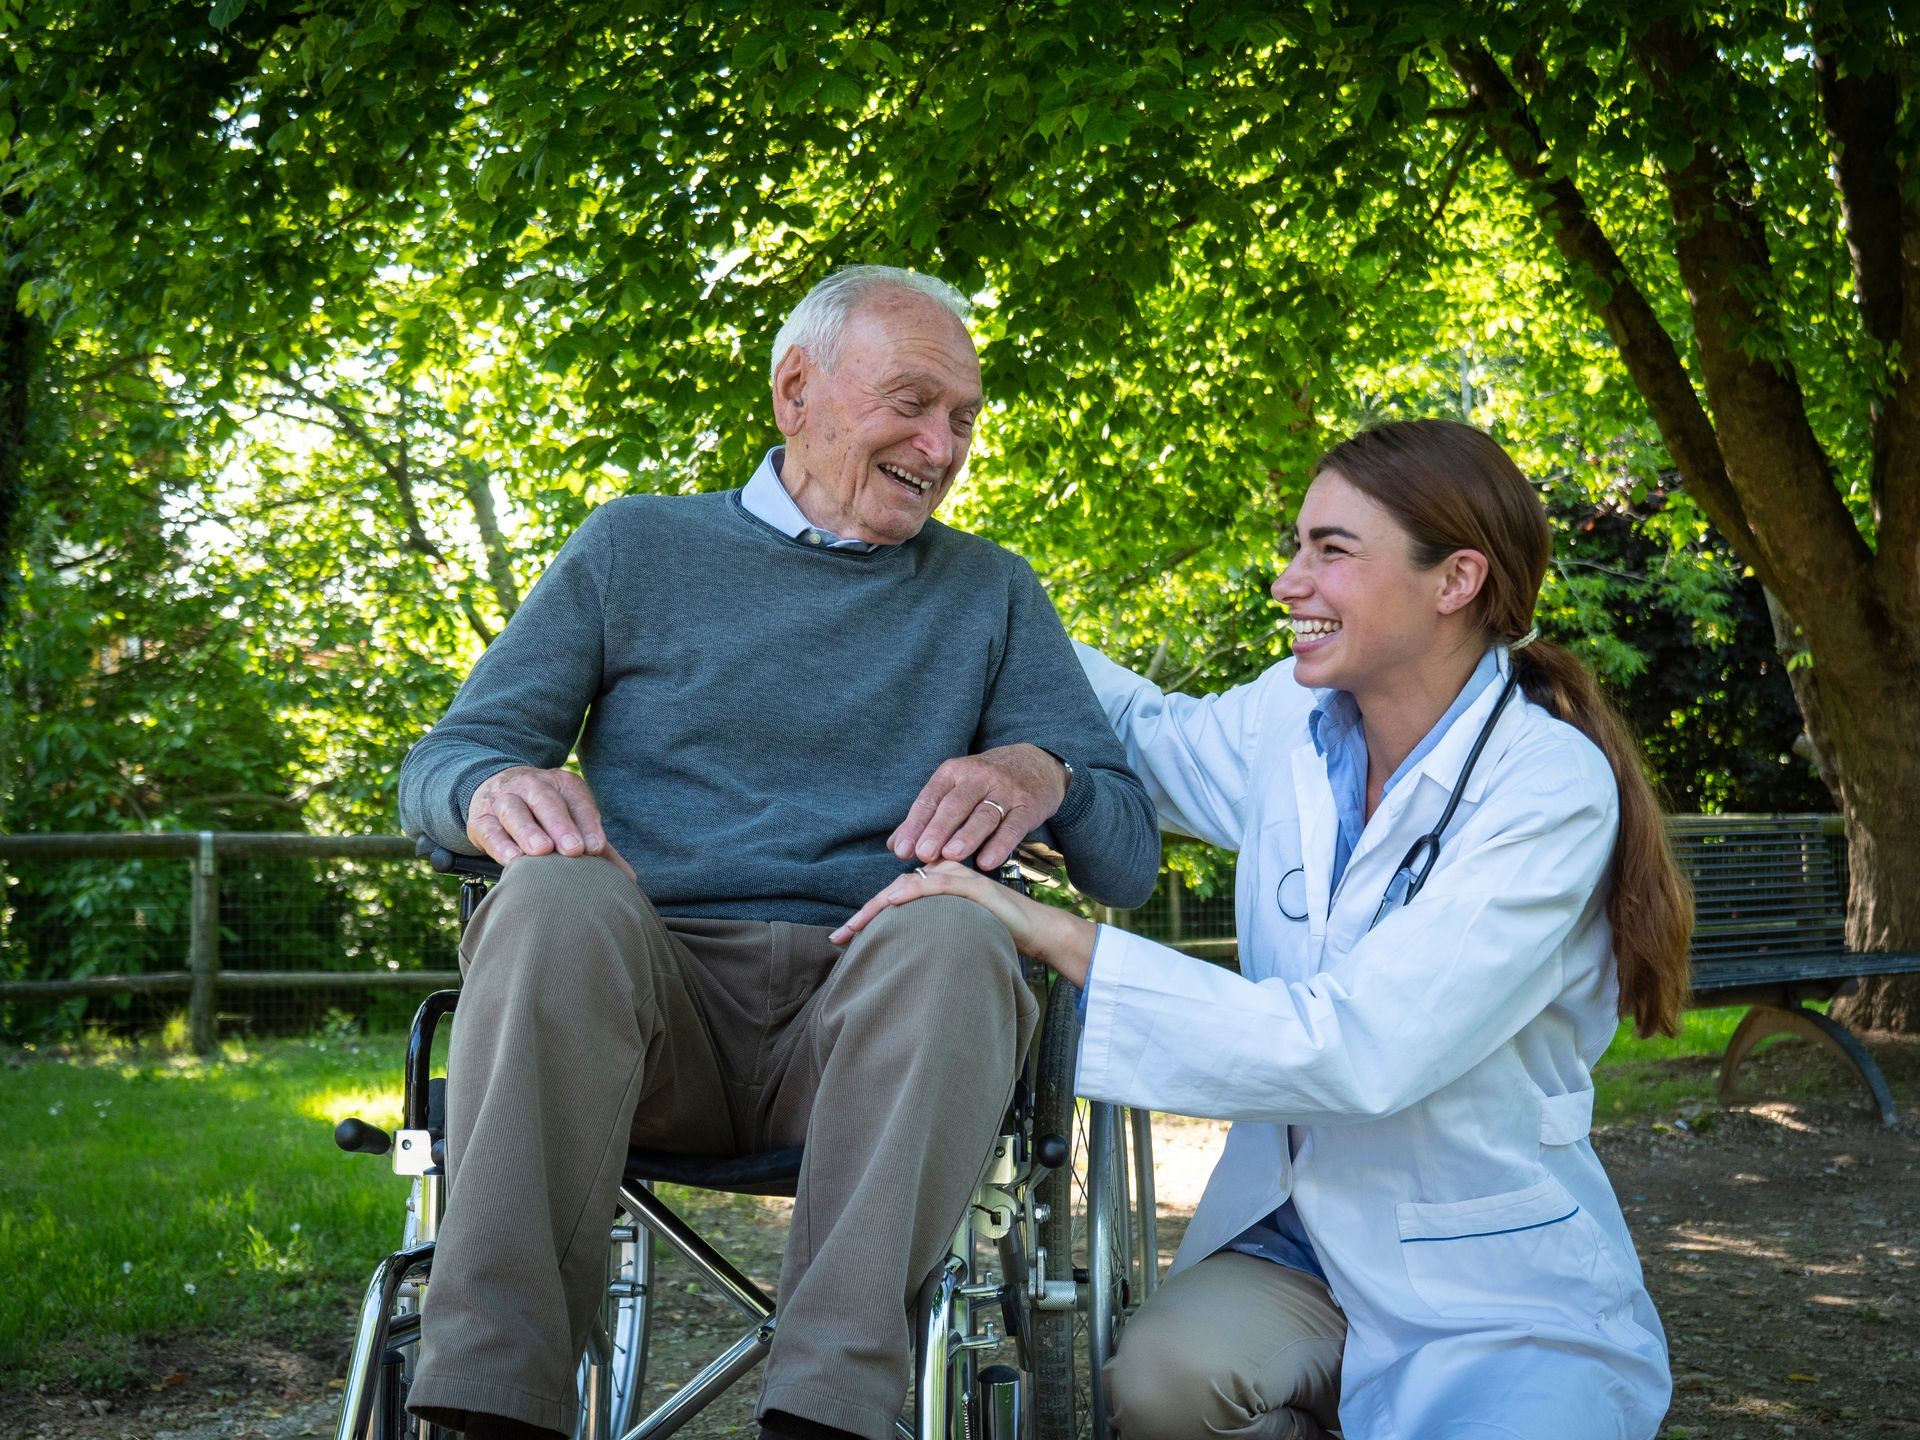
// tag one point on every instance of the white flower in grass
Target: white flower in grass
(126, 1267)
(188, 1287)
(295, 1227)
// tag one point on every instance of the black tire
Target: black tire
(1095, 1195)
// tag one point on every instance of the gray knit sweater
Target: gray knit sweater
(759, 713)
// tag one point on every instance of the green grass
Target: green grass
(149, 1195)
(1640, 1078)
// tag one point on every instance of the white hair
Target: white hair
(819, 322)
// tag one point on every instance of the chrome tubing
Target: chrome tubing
(694, 1396)
(1001, 1413)
(940, 1317)
(654, 1214)
(597, 1391)
(370, 1337)
(1147, 1206)
(1101, 1169)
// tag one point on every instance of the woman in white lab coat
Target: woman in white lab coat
(1408, 1234)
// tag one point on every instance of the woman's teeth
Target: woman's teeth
(1313, 629)
(908, 479)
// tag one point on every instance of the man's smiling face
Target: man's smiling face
(875, 443)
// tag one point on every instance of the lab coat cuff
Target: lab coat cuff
(1101, 1017)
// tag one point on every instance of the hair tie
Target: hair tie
(1525, 640)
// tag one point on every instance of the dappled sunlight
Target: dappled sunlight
(376, 1104)
(1718, 1240)
(1782, 1113)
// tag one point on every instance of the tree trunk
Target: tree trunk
(1883, 854)
(17, 357)
(1862, 706)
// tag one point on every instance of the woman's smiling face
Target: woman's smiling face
(1360, 610)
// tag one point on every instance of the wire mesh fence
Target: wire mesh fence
(272, 934)
(282, 925)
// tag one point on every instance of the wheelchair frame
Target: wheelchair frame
(1066, 1198)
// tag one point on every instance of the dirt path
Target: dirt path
(1781, 1242)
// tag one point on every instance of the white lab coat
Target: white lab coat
(1435, 1070)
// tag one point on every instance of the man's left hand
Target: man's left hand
(981, 805)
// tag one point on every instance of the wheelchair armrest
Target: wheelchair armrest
(452, 862)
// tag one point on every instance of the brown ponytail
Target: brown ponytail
(1453, 488)
(1649, 902)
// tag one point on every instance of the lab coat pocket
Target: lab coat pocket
(1524, 1255)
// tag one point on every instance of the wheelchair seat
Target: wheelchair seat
(772, 1172)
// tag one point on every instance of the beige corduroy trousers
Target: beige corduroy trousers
(1232, 1346)
(587, 1022)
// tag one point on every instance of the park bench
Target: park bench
(1770, 910)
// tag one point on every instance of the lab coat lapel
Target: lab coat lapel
(1442, 763)
(1415, 803)
(1319, 828)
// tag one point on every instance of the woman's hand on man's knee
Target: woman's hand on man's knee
(1054, 937)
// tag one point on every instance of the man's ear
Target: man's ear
(1462, 574)
(790, 380)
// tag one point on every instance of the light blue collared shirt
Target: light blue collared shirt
(1338, 737)
(766, 499)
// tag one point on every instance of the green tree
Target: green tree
(1625, 236)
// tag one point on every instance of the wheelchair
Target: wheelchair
(1058, 1247)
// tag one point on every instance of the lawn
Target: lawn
(148, 1194)
(1678, 1076)
(151, 1195)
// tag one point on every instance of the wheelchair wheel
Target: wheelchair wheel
(1099, 1231)
(611, 1375)
(610, 1387)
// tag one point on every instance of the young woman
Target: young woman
(1452, 880)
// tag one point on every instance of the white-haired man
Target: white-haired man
(781, 695)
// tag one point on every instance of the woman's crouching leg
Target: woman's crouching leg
(1236, 1345)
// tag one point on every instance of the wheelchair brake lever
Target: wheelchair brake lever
(357, 1137)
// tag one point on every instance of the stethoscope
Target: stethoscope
(1424, 852)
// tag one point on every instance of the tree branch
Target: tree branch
(1815, 559)
(506, 592)
(1644, 345)
(394, 467)
(1862, 112)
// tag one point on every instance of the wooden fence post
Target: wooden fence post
(204, 958)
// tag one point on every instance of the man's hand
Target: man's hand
(982, 805)
(523, 811)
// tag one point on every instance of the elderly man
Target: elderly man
(781, 695)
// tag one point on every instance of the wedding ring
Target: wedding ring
(998, 808)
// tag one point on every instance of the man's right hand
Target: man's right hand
(523, 811)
